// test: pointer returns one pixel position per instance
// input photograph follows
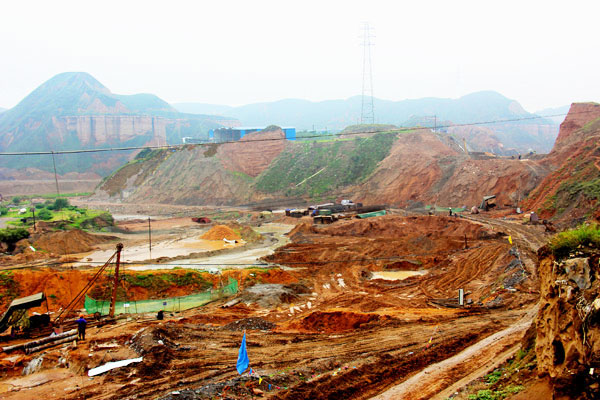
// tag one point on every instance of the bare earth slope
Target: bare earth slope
(428, 168)
(572, 191)
(420, 166)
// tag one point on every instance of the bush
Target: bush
(44, 214)
(12, 236)
(3, 210)
(584, 235)
(16, 200)
(39, 206)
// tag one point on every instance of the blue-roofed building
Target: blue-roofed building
(232, 134)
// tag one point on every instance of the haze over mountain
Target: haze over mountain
(74, 111)
(537, 134)
(559, 113)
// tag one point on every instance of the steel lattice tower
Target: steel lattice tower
(367, 109)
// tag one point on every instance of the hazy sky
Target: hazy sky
(541, 53)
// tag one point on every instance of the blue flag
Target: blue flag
(242, 362)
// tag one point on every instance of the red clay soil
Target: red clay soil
(572, 160)
(427, 168)
(347, 336)
(252, 158)
(332, 321)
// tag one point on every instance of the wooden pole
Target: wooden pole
(113, 299)
(149, 238)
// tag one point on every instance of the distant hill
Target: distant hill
(73, 110)
(536, 134)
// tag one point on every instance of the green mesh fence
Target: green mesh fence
(170, 304)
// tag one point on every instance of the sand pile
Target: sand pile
(220, 232)
(69, 242)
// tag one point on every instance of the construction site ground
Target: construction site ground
(320, 321)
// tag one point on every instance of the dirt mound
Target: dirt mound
(333, 321)
(393, 226)
(220, 232)
(301, 229)
(69, 242)
(272, 295)
(254, 323)
(248, 234)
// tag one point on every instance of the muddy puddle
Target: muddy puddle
(165, 248)
(242, 258)
(397, 275)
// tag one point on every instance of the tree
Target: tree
(44, 214)
(60, 203)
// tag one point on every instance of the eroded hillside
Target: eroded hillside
(394, 168)
(572, 191)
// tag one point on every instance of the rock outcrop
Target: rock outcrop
(571, 192)
(568, 324)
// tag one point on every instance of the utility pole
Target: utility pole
(367, 110)
(434, 123)
(113, 298)
(55, 177)
(33, 211)
(150, 238)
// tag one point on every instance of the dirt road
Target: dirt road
(440, 380)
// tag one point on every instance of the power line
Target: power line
(316, 136)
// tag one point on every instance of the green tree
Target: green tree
(60, 203)
(16, 200)
(44, 214)
(11, 236)
(3, 210)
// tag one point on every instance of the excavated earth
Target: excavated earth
(320, 323)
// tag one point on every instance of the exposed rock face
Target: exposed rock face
(568, 324)
(431, 169)
(570, 192)
(570, 132)
(252, 158)
(94, 130)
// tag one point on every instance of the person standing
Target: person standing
(81, 324)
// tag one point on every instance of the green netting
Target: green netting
(170, 304)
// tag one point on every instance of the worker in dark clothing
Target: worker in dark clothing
(449, 211)
(161, 315)
(81, 324)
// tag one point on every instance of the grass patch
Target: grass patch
(316, 168)
(585, 235)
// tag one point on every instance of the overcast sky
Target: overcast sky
(541, 53)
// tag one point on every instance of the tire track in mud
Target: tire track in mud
(436, 380)
(466, 266)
